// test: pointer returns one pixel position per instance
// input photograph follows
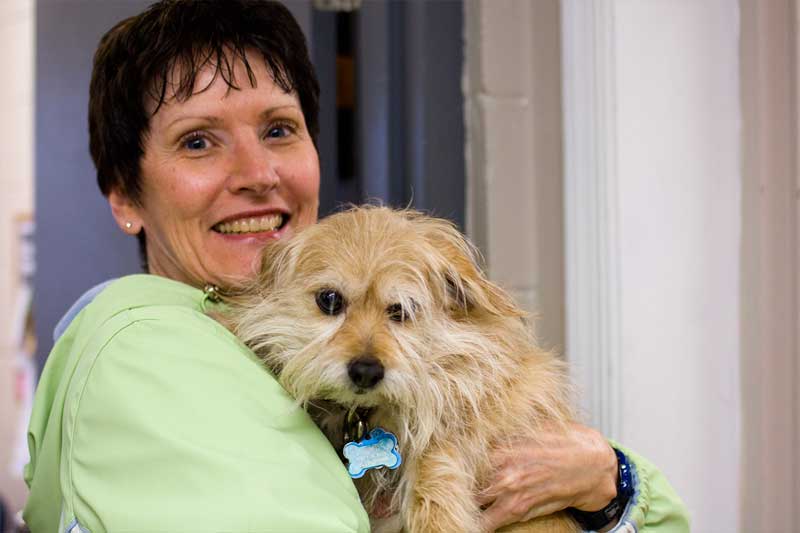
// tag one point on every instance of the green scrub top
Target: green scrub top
(150, 416)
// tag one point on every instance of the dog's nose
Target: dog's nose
(365, 371)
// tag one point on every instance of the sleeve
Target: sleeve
(177, 427)
(655, 506)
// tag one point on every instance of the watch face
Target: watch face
(612, 509)
(593, 521)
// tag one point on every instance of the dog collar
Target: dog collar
(356, 424)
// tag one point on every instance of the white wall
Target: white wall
(666, 119)
(770, 255)
(680, 219)
(16, 198)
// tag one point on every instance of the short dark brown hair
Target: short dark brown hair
(135, 64)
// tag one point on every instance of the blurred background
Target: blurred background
(627, 167)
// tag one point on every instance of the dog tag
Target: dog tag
(376, 451)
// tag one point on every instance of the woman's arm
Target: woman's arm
(578, 469)
(172, 425)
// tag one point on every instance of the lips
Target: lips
(252, 224)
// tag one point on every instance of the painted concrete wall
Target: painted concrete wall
(512, 99)
(677, 150)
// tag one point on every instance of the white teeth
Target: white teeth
(251, 225)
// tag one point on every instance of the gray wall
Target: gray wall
(411, 122)
(77, 242)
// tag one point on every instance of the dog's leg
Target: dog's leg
(442, 498)
(391, 524)
(556, 523)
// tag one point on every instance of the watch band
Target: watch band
(596, 520)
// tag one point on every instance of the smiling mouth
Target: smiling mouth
(252, 224)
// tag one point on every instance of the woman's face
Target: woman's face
(224, 173)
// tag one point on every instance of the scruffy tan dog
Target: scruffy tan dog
(383, 318)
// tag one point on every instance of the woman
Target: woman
(149, 415)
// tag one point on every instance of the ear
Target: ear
(272, 266)
(276, 260)
(125, 212)
(467, 290)
(470, 293)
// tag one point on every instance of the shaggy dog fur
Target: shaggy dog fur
(462, 372)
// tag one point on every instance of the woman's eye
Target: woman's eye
(196, 142)
(330, 301)
(278, 131)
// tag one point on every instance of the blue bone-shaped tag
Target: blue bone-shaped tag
(376, 451)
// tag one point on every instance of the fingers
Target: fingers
(562, 467)
(501, 503)
(516, 509)
(491, 521)
(495, 517)
(486, 497)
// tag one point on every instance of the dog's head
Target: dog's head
(379, 308)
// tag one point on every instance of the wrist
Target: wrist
(604, 469)
(609, 516)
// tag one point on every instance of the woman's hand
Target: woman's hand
(573, 468)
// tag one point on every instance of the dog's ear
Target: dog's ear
(470, 293)
(276, 259)
(465, 287)
(272, 262)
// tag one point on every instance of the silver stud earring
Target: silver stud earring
(129, 225)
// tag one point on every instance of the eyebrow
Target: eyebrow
(272, 110)
(215, 121)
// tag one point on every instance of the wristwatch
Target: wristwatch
(597, 520)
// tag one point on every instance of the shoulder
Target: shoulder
(170, 402)
(169, 352)
(149, 337)
(145, 319)
(157, 328)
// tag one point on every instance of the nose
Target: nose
(365, 371)
(252, 168)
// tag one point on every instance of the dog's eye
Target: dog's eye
(330, 301)
(397, 313)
